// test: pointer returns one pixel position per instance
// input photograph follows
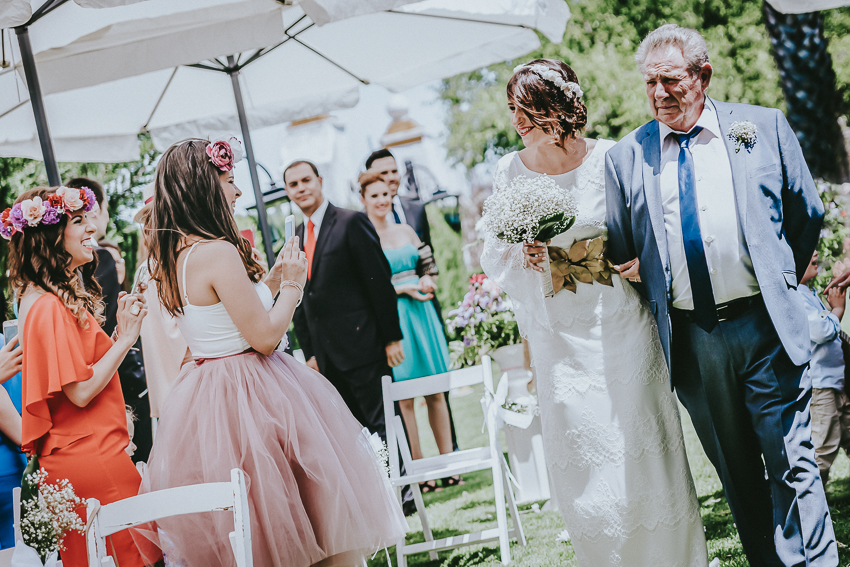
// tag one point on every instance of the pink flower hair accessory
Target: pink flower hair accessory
(34, 212)
(224, 154)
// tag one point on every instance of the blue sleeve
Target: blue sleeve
(823, 325)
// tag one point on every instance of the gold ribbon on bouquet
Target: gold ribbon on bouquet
(584, 262)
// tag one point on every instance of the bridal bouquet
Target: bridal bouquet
(530, 209)
(537, 209)
(48, 513)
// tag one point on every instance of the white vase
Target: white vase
(510, 357)
(511, 360)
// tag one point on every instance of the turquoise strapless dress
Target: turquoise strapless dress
(425, 349)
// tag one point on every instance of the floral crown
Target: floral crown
(225, 154)
(569, 88)
(35, 211)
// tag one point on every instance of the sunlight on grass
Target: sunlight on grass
(470, 507)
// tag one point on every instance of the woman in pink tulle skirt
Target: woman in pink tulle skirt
(317, 492)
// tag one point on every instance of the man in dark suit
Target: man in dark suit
(347, 324)
(131, 372)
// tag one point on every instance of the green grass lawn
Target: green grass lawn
(470, 507)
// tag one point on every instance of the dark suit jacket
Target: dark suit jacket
(416, 217)
(350, 308)
(778, 205)
(106, 275)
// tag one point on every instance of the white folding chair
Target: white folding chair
(6, 554)
(460, 462)
(210, 497)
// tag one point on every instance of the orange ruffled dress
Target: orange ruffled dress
(85, 445)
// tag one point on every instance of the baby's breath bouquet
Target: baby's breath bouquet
(48, 513)
(530, 209)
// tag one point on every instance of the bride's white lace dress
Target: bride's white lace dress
(611, 429)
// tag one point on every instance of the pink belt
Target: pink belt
(200, 361)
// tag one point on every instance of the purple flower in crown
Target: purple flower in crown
(52, 215)
(17, 217)
(7, 229)
(90, 199)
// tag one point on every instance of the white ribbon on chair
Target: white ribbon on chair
(492, 403)
(26, 556)
(495, 402)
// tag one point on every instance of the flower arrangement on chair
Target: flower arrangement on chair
(482, 323)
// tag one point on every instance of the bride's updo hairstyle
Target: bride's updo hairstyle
(189, 199)
(548, 107)
(37, 257)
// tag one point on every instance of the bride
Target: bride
(611, 431)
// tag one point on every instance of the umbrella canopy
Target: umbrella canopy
(805, 6)
(18, 12)
(108, 85)
(108, 75)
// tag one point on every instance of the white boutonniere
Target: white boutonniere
(743, 134)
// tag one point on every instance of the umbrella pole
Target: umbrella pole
(37, 102)
(233, 71)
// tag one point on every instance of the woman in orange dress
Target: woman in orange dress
(73, 410)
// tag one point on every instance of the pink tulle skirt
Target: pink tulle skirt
(316, 491)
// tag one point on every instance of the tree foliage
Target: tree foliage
(122, 182)
(601, 38)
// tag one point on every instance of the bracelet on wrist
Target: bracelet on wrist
(297, 286)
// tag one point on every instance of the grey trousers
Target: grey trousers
(750, 406)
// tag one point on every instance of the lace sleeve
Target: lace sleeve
(504, 264)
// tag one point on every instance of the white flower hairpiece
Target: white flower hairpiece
(569, 88)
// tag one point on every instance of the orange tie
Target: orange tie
(310, 246)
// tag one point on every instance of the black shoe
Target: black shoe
(409, 507)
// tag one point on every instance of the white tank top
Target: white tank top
(208, 329)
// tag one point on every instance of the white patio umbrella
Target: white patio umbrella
(132, 76)
(15, 13)
(804, 6)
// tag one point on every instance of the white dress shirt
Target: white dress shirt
(399, 210)
(317, 218)
(729, 265)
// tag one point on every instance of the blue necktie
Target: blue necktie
(705, 310)
(395, 216)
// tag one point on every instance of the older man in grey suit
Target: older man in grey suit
(713, 214)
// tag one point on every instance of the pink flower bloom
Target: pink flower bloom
(32, 210)
(71, 198)
(221, 155)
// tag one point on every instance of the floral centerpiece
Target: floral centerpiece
(482, 323)
(48, 513)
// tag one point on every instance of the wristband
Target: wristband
(296, 285)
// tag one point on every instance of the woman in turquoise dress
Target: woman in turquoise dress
(425, 349)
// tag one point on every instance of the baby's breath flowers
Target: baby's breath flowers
(381, 453)
(48, 517)
(529, 209)
(743, 134)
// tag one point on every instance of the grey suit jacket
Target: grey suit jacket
(778, 207)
